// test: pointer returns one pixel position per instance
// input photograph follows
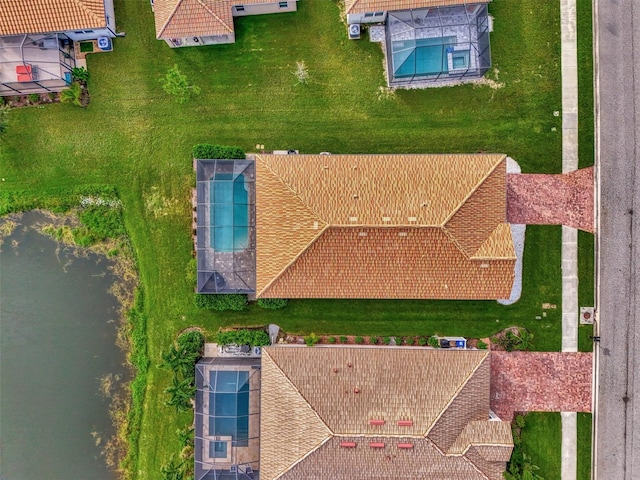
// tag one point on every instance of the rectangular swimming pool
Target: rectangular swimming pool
(229, 405)
(422, 56)
(229, 213)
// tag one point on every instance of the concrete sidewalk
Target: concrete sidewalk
(569, 55)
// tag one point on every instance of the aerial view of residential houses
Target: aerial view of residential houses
(381, 281)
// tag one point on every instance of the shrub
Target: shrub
(387, 340)
(176, 83)
(232, 301)
(34, 97)
(103, 221)
(482, 345)
(422, 341)
(192, 341)
(409, 340)
(343, 339)
(311, 339)
(359, 340)
(433, 342)
(80, 74)
(272, 303)
(331, 340)
(253, 338)
(208, 151)
(373, 340)
(72, 94)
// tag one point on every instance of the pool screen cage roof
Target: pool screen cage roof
(225, 226)
(438, 44)
(227, 419)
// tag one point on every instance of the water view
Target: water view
(57, 341)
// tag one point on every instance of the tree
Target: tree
(181, 393)
(172, 470)
(180, 360)
(175, 83)
(73, 94)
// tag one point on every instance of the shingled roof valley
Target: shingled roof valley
(358, 412)
(383, 226)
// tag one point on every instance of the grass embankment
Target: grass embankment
(136, 138)
(584, 446)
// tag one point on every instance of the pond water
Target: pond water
(57, 340)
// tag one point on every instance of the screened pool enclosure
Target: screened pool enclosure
(437, 44)
(225, 226)
(227, 424)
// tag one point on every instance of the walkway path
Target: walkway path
(569, 54)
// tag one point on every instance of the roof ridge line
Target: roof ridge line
(329, 432)
(293, 259)
(84, 7)
(455, 241)
(231, 30)
(474, 189)
(476, 257)
(473, 465)
(457, 392)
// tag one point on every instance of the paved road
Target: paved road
(617, 416)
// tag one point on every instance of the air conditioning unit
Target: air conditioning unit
(354, 31)
(257, 351)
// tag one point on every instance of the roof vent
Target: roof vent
(386, 219)
(405, 423)
(349, 365)
(362, 234)
(348, 444)
(484, 265)
(326, 167)
(335, 370)
(355, 196)
(405, 445)
(376, 422)
(402, 234)
(376, 445)
(353, 219)
(424, 204)
(315, 225)
(356, 390)
(412, 219)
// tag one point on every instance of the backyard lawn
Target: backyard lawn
(135, 137)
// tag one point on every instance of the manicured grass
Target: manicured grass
(586, 287)
(584, 446)
(585, 83)
(135, 137)
(541, 440)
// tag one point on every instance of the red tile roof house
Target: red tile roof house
(351, 413)
(189, 23)
(36, 40)
(428, 42)
(355, 226)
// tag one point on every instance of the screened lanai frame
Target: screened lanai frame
(225, 226)
(50, 58)
(438, 44)
(242, 453)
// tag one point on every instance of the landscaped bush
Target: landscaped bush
(343, 339)
(231, 301)
(253, 338)
(387, 340)
(422, 341)
(34, 97)
(359, 340)
(272, 303)
(193, 341)
(331, 340)
(514, 341)
(409, 340)
(373, 340)
(482, 345)
(520, 466)
(311, 339)
(433, 342)
(206, 151)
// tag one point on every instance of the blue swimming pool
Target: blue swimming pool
(423, 56)
(229, 405)
(229, 213)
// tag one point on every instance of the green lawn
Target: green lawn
(541, 440)
(134, 137)
(584, 446)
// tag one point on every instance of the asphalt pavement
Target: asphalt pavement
(617, 409)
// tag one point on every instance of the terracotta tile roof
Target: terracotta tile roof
(194, 18)
(363, 6)
(360, 226)
(45, 16)
(308, 409)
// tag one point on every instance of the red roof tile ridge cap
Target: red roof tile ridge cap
(229, 28)
(484, 358)
(502, 158)
(161, 30)
(292, 261)
(91, 12)
(304, 457)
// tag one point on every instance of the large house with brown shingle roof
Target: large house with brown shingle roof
(379, 413)
(355, 226)
(36, 40)
(185, 23)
